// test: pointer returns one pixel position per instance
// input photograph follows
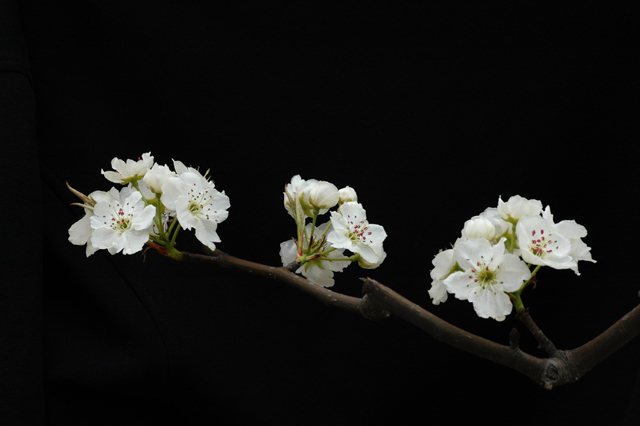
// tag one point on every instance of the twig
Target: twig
(379, 301)
(543, 341)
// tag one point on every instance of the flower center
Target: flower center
(199, 203)
(359, 231)
(120, 221)
(482, 275)
(540, 246)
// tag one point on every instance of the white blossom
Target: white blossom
(347, 194)
(197, 205)
(443, 264)
(130, 170)
(157, 176)
(295, 187)
(541, 244)
(319, 271)
(488, 274)
(122, 222)
(502, 227)
(479, 227)
(352, 231)
(574, 232)
(518, 207)
(322, 196)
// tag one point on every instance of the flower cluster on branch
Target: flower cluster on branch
(320, 249)
(490, 263)
(498, 254)
(154, 203)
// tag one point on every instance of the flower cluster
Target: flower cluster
(153, 205)
(320, 249)
(490, 264)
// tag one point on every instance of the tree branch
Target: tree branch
(380, 301)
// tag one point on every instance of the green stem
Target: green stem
(175, 233)
(512, 240)
(533, 274)
(517, 302)
(313, 223)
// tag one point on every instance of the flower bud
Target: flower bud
(156, 177)
(347, 194)
(323, 196)
(479, 227)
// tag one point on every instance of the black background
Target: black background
(430, 112)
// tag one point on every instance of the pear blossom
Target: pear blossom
(479, 227)
(130, 170)
(518, 207)
(380, 253)
(122, 222)
(352, 231)
(444, 263)
(156, 177)
(502, 227)
(181, 168)
(323, 196)
(81, 231)
(487, 274)
(320, 270)
(347, 194)
(541, 244)
(197, 205)
(295, 187)
(574, 232)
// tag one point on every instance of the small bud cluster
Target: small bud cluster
(320, 249)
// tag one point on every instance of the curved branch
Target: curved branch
(282, 274)
(379, 301)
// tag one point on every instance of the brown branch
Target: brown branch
(282, 274)
(543, 341)
(379, 301)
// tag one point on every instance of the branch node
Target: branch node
(293, 266)
(371, 310)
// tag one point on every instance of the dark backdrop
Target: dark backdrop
(431, 113)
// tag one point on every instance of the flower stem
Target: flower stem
(533, 274)
(517, 301)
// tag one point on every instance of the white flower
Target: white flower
(518, 207)
(157, 176)
(130, 170)
(122, 222)
(488, 274)
(501, 226)
(295, 187)
(347, 194)
(181, 168)
(323, 196)
(444, 262)
(352, 231)
(319, 271)
(313, 194)
(541, 244)
(372, 265)
(81, 231)
(574, 232)
(197, 205)
(479, 227)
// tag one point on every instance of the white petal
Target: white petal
(491, 303)
(80, 232)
